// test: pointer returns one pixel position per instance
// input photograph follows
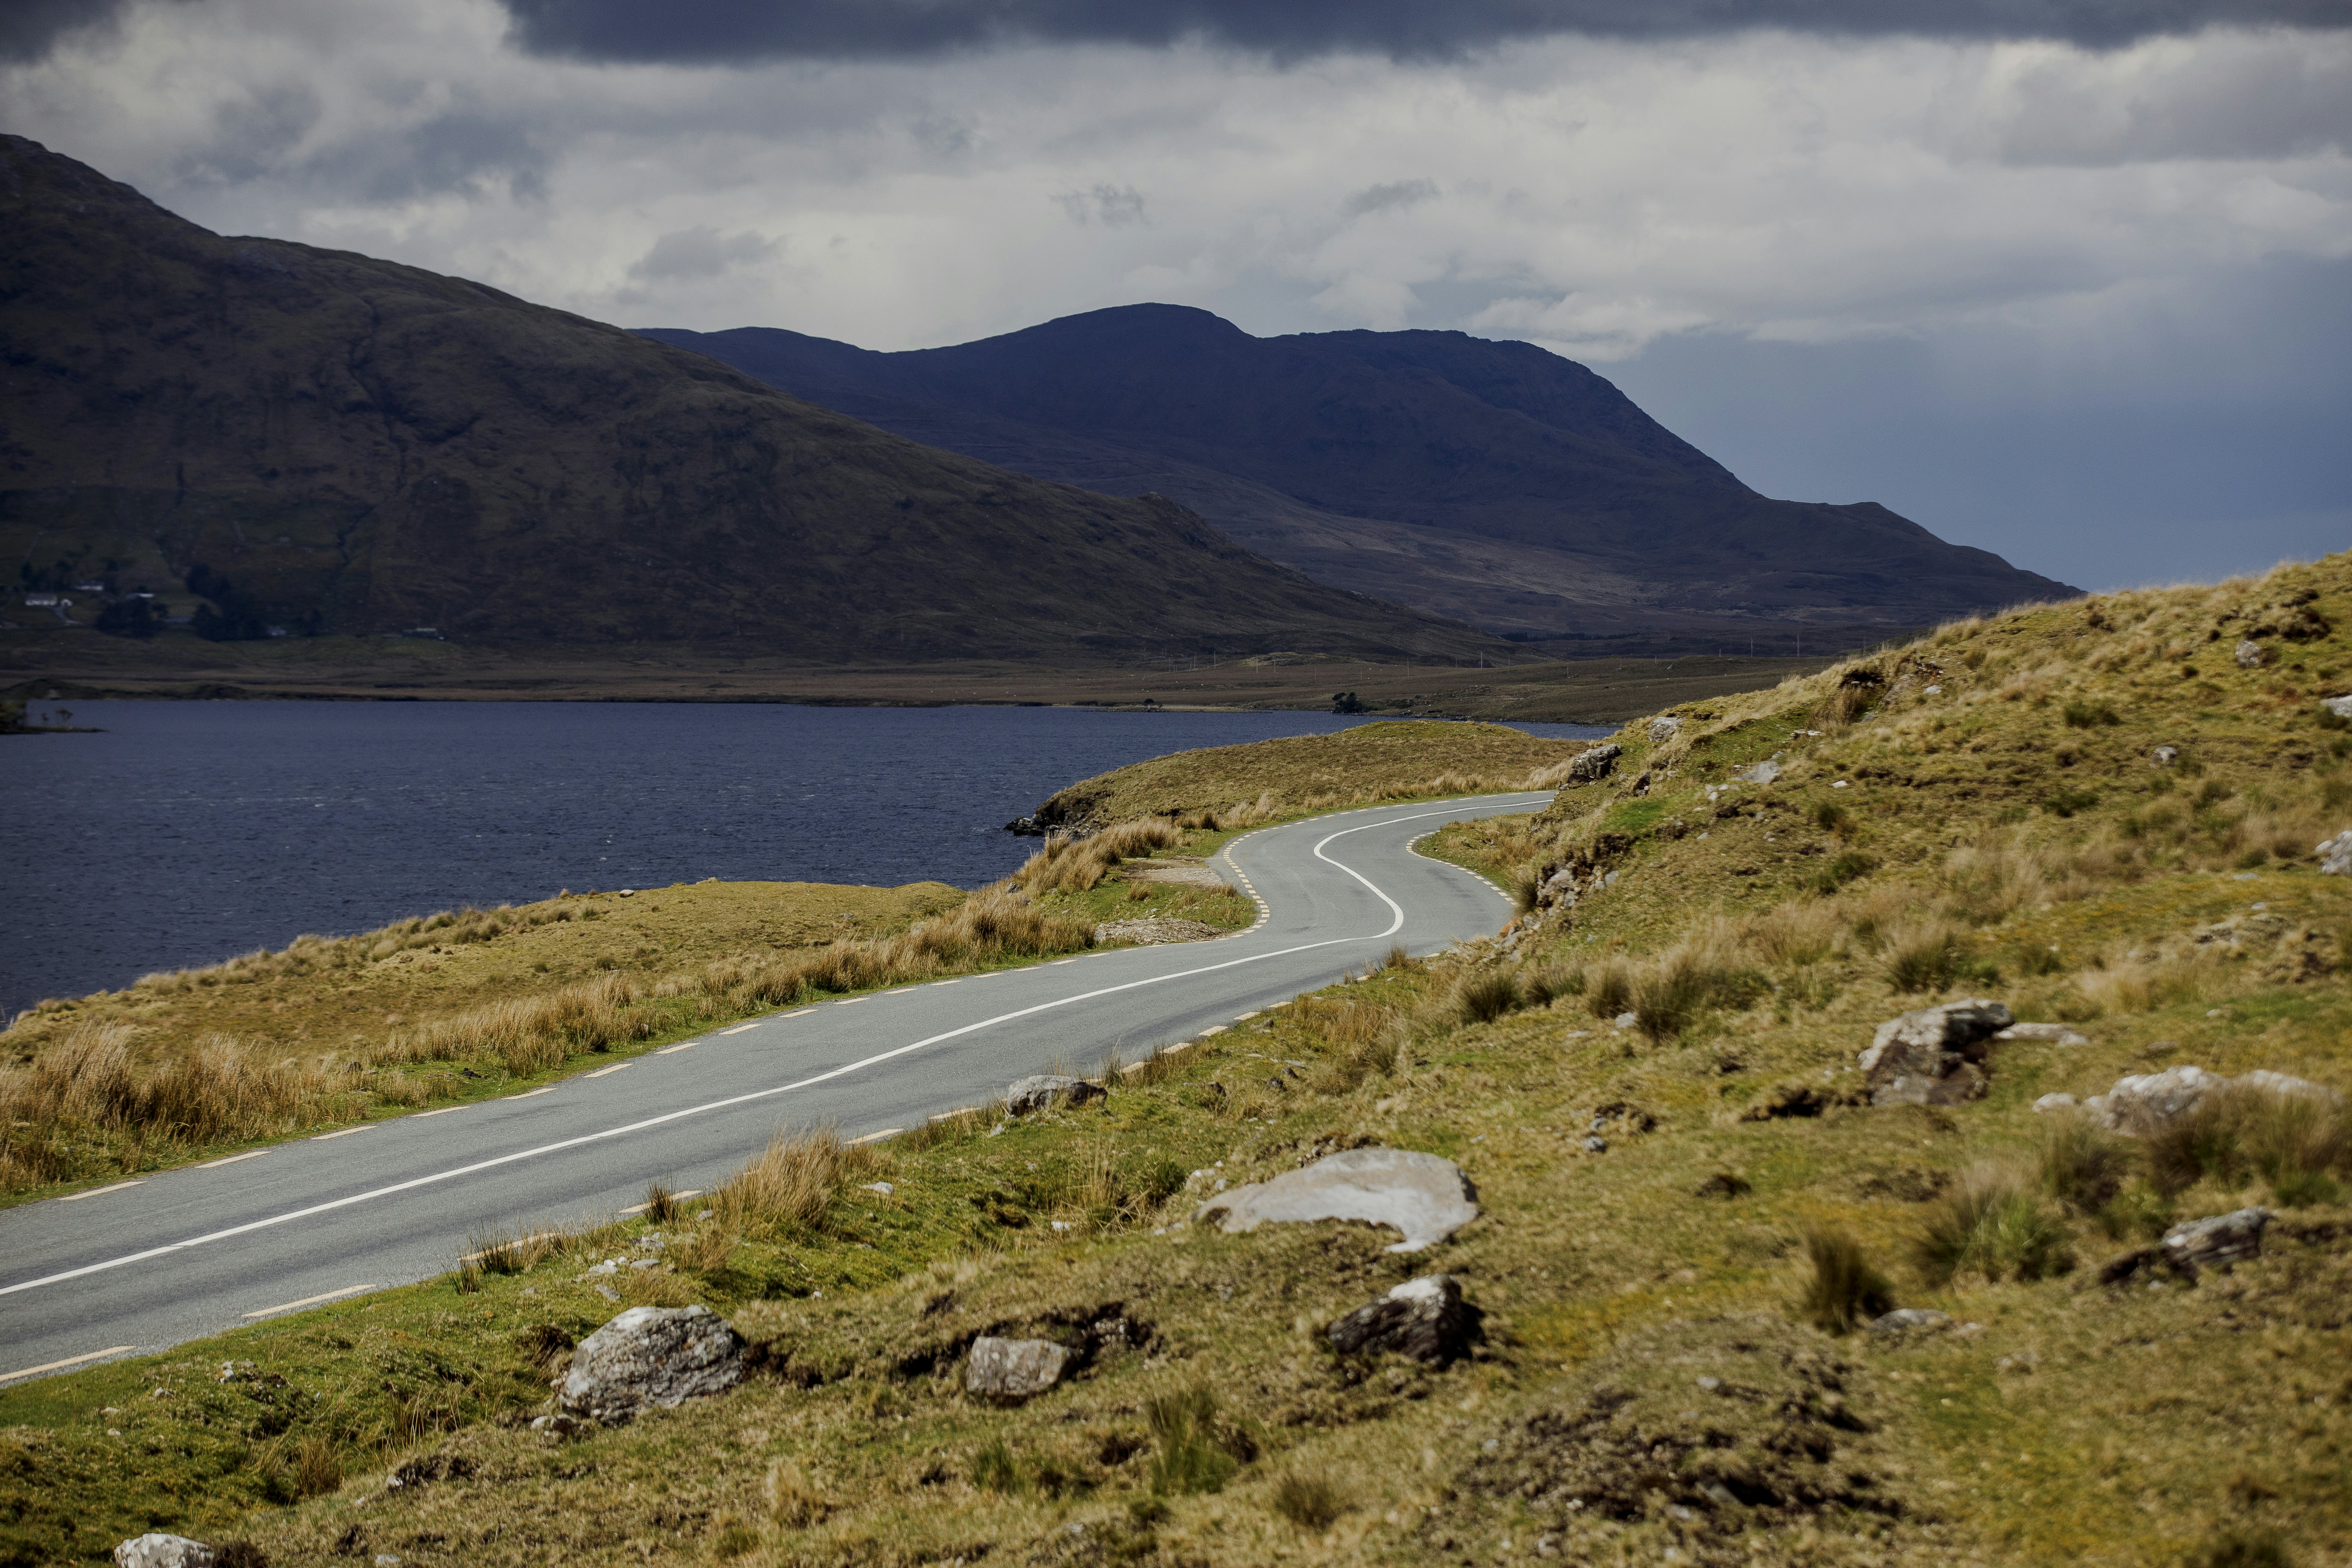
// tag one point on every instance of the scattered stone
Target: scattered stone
(2049, 1103)
(1426, 1319)
(2251, 655)
(2139, 1105)
(2058, 1034)
(1904, 1319)
(1663, 728)
(1595, 763)
(1763, 772)
(1934, 1056)
(1596, 1144)
(1422, 1195)
(1625, 1020)
(885, 1188)
(652, 1357)
(2224, 1238)
(1013, 1370)
(1038, 1091)
(1155, 930)
(556, 1425)
(155, 1550)
(2166, 756)
(2336, 853)
(2340, 706)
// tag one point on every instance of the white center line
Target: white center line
(498, 1160)
(313, 1301)
(616, 1067)
(60, 1366)
(96, 1193)
(233, 1159)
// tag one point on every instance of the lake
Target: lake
(186, 832)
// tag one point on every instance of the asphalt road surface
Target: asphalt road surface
(142, 1266)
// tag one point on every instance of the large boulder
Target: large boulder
(1665, 728)
(653, 1357)
(2336, 853)
(1934, 1056)
(2225, 1238)
(1426, 1319)
(155, 1550)
(1013, 1370)
(1423, 1196)
(1038, 1091)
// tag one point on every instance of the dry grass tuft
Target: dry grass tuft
(1312, 1502)
(1841, 1288)
(788, 1189)
(1991, 1223)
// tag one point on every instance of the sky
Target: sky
(2070, 280)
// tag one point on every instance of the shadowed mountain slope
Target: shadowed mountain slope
(351, 445)
(1491, 482)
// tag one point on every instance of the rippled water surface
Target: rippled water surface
(187, 831)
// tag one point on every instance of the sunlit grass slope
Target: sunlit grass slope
(1682, 1208)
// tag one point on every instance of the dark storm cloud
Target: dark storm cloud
(729, 30)
(27, 27)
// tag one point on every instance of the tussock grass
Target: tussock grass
(1993, 1224)
(1311, 1501)
(1480, 998)
(2297, 1144)
(1841, 1287)
(789, 1187)
(1189, 1453)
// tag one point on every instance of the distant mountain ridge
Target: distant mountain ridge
(1490, 481)
(351, 445)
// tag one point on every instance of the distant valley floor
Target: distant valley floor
(78, 664)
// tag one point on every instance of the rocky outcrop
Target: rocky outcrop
(155, 1550)
(2336, 853)
(2147, 1103)
(2054, 1033)
(1905, 1319)
(1154, 930)
(1934, 1056)
(1422, 1196)
(1665, 728)
(1594, 763)
(652, 1357)
(1013, 1370)
(1426, 1319)
(1041, 1091)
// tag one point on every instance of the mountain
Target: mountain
(326, 442)
(1492, 482)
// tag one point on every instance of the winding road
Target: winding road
(144, 1264)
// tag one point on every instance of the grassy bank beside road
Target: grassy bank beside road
(2101, 814)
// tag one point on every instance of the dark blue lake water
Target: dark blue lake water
(186, 832)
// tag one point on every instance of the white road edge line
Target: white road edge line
(616, 1067)
(96, 1193)
(1395, 925)
(233, 1159)
(61, 1365)
(310, 1300)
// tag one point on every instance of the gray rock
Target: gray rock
(1014, 1369)
(2336, 853)
(1763, 772)
(1933, 1056)
(2050, 1102)
(1595, 763)
(1426, 1319)
(652, 1357)
(1038, 1091)
(2057, 1034)
(1904, 1319)
(2252, 655)
(1421, 1195)
(2143, 1103)
(155, 1550)
(2224, 1238)
(2164, 756)
(1663, 728)
(2340, 706)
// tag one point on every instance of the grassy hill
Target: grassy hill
(2102, 814)
(348, 447)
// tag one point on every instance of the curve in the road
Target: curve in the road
(418, 1197)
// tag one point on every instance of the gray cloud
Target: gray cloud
(698, 252)
(1396, 193)
(1109, 204)
(731, 31)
